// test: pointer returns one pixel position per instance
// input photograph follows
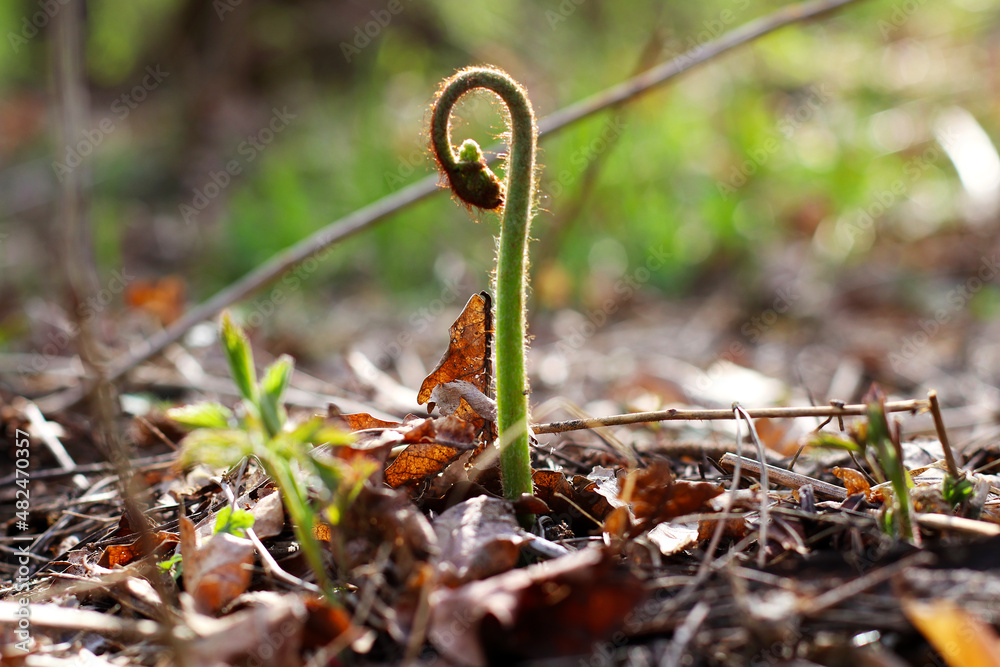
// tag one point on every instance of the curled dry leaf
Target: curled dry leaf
(451, 396)
(468, 360)
(854, 482)
(478, 538)
(556, 608)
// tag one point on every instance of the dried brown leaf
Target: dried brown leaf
(556, 608)
(123, 554)
(655, 497)
(216, 572)
(362, 421)
(478, 538)
(434, 443)
(269, 516)
(575, 500)
(163, 298)
(854, 481)
(468, 359)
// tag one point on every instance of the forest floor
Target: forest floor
(659, 542)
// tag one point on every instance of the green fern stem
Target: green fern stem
(472, 181)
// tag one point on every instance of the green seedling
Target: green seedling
(874, 440)
(472, 181)
(260, 429)
(899, 518)
(228, 520)
(233, 521)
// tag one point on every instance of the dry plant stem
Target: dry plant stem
(383, 208)
(949, 456)
(81, 275)
(782, 477)
(511, 279)
(765, 517)
(912, 405)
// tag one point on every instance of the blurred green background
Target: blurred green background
(789, 140)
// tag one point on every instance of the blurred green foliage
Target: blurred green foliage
(790, 138)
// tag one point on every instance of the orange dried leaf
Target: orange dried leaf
(435, 443)
(216, 572)
(363, 420)
(123, 554)
(962, 639)
(854, 481)
(163, 298)
(467, 358)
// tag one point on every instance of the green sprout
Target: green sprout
(286, 452)
(874, 440)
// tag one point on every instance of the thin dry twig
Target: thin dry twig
(381, 209)
(949, 456)
(786, 478)
(765, 518)
(957, 524)
(53, 616)
(674, 414)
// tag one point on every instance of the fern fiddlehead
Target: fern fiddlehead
(473, 182)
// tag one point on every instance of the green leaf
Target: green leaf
(218, 448)
(832, 441)
(331, 435)
(201, 415)
(167, 564)
(317, 432)
(233, 522)
(237, 348)
(880, 437)
(272, 389)
(957, 491)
